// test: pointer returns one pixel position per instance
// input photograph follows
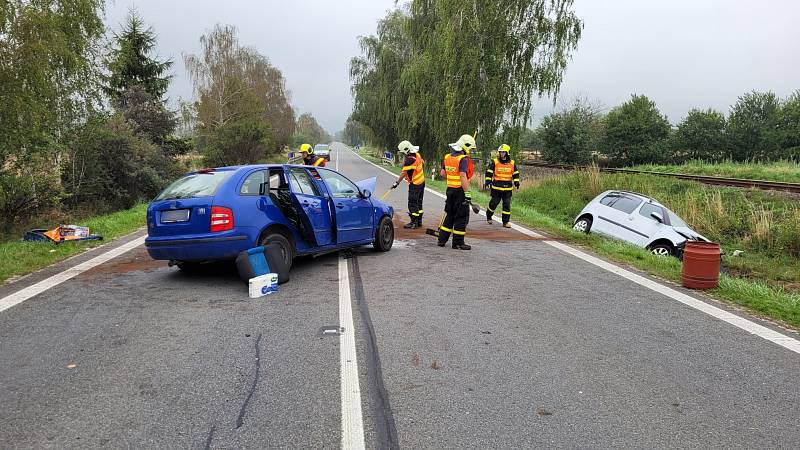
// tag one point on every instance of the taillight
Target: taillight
(221, 219)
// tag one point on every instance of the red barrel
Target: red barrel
(701, 262)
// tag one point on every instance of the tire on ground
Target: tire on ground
(279, 254)
(384, 235)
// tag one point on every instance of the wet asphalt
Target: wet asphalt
(514, 344)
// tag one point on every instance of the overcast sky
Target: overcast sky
(682, 53)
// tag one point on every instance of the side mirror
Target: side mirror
(657, 216)
(366, 193)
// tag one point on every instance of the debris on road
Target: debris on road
(60, 234)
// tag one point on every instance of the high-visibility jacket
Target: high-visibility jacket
(417, 175)
(316, 161)
(451, 168)
(503, 175)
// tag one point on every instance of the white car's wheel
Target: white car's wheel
(583, 224)
(662, 250)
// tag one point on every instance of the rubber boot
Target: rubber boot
(462, 247)
(411, 225)
(507, 225)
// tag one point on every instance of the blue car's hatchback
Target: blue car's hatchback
(214, 214)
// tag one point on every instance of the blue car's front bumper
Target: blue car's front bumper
(198, 247)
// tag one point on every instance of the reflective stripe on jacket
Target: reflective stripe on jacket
(451, 168)
(418, 176)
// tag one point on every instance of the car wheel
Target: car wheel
(287, 250)
(583, 224)
(662, 250)
(384, 235)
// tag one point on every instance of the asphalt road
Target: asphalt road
(514, 344)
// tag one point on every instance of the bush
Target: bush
(570, 136)
(700, 135)
(636, 132)
(112, 167)
(238, 142)
(27, 189)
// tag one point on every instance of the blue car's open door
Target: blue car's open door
(312, 209)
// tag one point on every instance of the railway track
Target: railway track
(719, 181)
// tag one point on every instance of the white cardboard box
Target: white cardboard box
(263, 285)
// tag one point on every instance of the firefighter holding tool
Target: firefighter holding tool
(414, 173)
(309, 158)
(457, 172)
(502, 176)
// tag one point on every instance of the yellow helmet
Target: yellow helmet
(465, 143)
(503, 148)
(307, 148)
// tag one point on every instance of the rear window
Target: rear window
(195, 185)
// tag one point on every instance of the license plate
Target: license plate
(176, 215)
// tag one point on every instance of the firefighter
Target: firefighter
(309, 158)
(414, 173)
(457, 172)
(501, 174)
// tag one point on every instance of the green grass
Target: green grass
(763, 281)
(19, 258)
(786, 171)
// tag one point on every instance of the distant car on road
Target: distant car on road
(636, 219)
(213, 214)
(323, 150)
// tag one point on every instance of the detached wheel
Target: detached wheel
(583, 224)
(384, 235)
(286, 247)
(662, 250)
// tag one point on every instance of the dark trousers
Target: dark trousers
(498, 195)
(415, 194)
(456, 217)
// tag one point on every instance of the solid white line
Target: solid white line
(740, 322)
(36, 289)
(352, 422)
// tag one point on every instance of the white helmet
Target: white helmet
(406, 147)
(465, 143)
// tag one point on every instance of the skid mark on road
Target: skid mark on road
(240, 419)
(384, 419)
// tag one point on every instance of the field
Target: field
(786, 171)
(765, 279)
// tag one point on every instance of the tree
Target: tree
(530, 139)
(636, 132)
(751, 127)
(48, 85)
(237, 142)
(701, 135)
(309, 131)
(571, 135)
(440, 68)
(130, 64)
(234, 83)
(788, 127)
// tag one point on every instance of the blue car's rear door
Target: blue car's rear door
(354, 214)
(312, 206)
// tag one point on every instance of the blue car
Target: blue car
(213, 214)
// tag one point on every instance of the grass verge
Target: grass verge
(19, 257)
(548, 206)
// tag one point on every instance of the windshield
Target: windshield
(676, 221)
(323, 148)
(194, 185)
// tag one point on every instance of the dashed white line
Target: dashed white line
(36, 289)
(352, 421)
(737, 321)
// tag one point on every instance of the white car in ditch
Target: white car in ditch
(636, 219)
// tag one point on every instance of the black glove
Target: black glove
(516, 184)
(487, 185)
(394, 185)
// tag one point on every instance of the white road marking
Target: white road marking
(718, 313)
(36, 289)
(352, 422)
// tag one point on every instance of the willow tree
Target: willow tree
(463, 66)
